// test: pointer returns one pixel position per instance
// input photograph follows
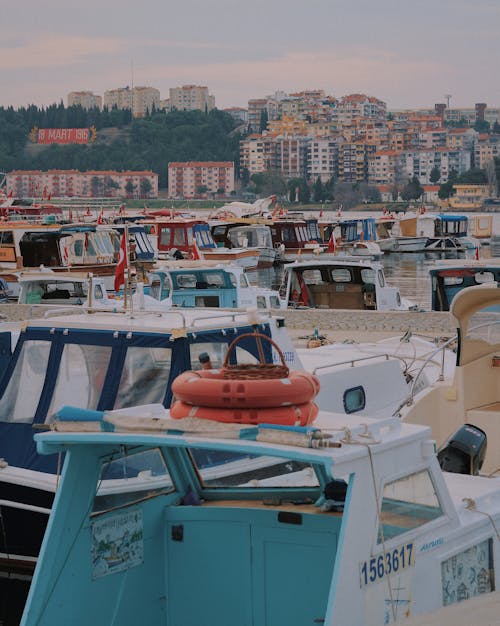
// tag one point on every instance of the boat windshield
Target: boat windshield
(485, 325)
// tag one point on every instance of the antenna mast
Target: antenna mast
(447, 97)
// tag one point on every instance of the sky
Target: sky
(408, 53)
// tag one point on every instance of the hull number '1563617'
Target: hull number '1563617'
(390, 562)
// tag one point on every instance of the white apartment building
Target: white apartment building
(73, 183)
(140, 100)
(199, 179)
(420, 163)
(257, 154)
(291, 156)
(386, 167)
(322, 159)
(86, 99)
(191, 98)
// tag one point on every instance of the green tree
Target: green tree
(435, 175)
(412, 190)
(473, 176)
(145, 187)
(130, 188)
(304, 191)
(263, 120)
(318, 190)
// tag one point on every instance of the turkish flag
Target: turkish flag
(332, 244)
(121, 265)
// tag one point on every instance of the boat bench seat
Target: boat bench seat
(338, 296)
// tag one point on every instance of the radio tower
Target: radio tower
(447, 97)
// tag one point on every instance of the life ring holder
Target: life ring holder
(255, 370)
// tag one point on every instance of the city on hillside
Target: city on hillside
(303, 146)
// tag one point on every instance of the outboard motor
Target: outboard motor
(464, 451)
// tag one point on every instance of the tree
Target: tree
(129, 188)
(268, 183)
(474, 176)
(263, 120)
(412, 190)
(304, 191)
(145, 187)
(318, 190)
(435, 175)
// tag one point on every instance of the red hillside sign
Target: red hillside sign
(63, 135)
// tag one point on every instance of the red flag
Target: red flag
(121, 265)
(196, 252)
(321, 213)
(70, 215)
(332, 244)
(304, 291)
(9, 195)
(476, 255)
(100, 219)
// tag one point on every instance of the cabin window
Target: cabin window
(186, 281)
(261, 302)
(165, 237)
(341, 275)
(78, 247)
(218, 469)
(155, 288)
(485, 326)
(216, 352)
(274, 302)
(244, 281)
(179, 237)
(81, 375)
(484, 277)
(368, 276)
(190, 236)
(131, 478)
(6, 237)
(312, 277)
(450, 281)
(144, 377)
(98, 293)
(16, 405)
(381, 278)
(288, 234)
(354, 399)
(407, 503)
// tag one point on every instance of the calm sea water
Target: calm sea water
(409, 271)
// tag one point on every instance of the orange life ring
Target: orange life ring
(209, 388)
(296, 415)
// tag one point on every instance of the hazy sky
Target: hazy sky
(408, 53)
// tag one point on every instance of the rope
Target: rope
(349, 440)
(470, 505)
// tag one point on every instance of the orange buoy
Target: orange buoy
(209, 388)
(296, 415)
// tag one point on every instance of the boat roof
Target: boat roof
(464, 263)
(176, 321)
(336, 261)
(348, 431)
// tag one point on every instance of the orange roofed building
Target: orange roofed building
(199, 179)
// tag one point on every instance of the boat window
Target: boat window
(368, 276)
(130, 478)
(312, 277)
(288, 234)
(78, 247)
(81, 376)
(6, 237)
(16, 405)
(186, 281)
(485, 326)
(244, 281)
(224, 469)
(214, 280)
(190, 237)
(449, 281)
(216, 351)
(165, 236)
(408, 503)
(261, 302)
(484, 277)
(144, 377)
(179, 237)
(341, 275)
(354, 399)
(274, 302)
(98, 293)
(381, 278)
(154, 290)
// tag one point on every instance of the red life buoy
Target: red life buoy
(296, 415)
(209, 388)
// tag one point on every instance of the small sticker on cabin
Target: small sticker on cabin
(117, 543)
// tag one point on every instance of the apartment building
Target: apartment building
(353, 106)
(200, 179)
(86, 99)
(239, 114)
(486, 148)
(73, 183)
(291, 156)
(353, 161)
(420, 163)
(191, 98)
(322, 160)
(140, 100)
(288, 125)
(258, 153)
(386, 167)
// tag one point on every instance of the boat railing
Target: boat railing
(427, 361)
(234, 314)
(352, 362)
